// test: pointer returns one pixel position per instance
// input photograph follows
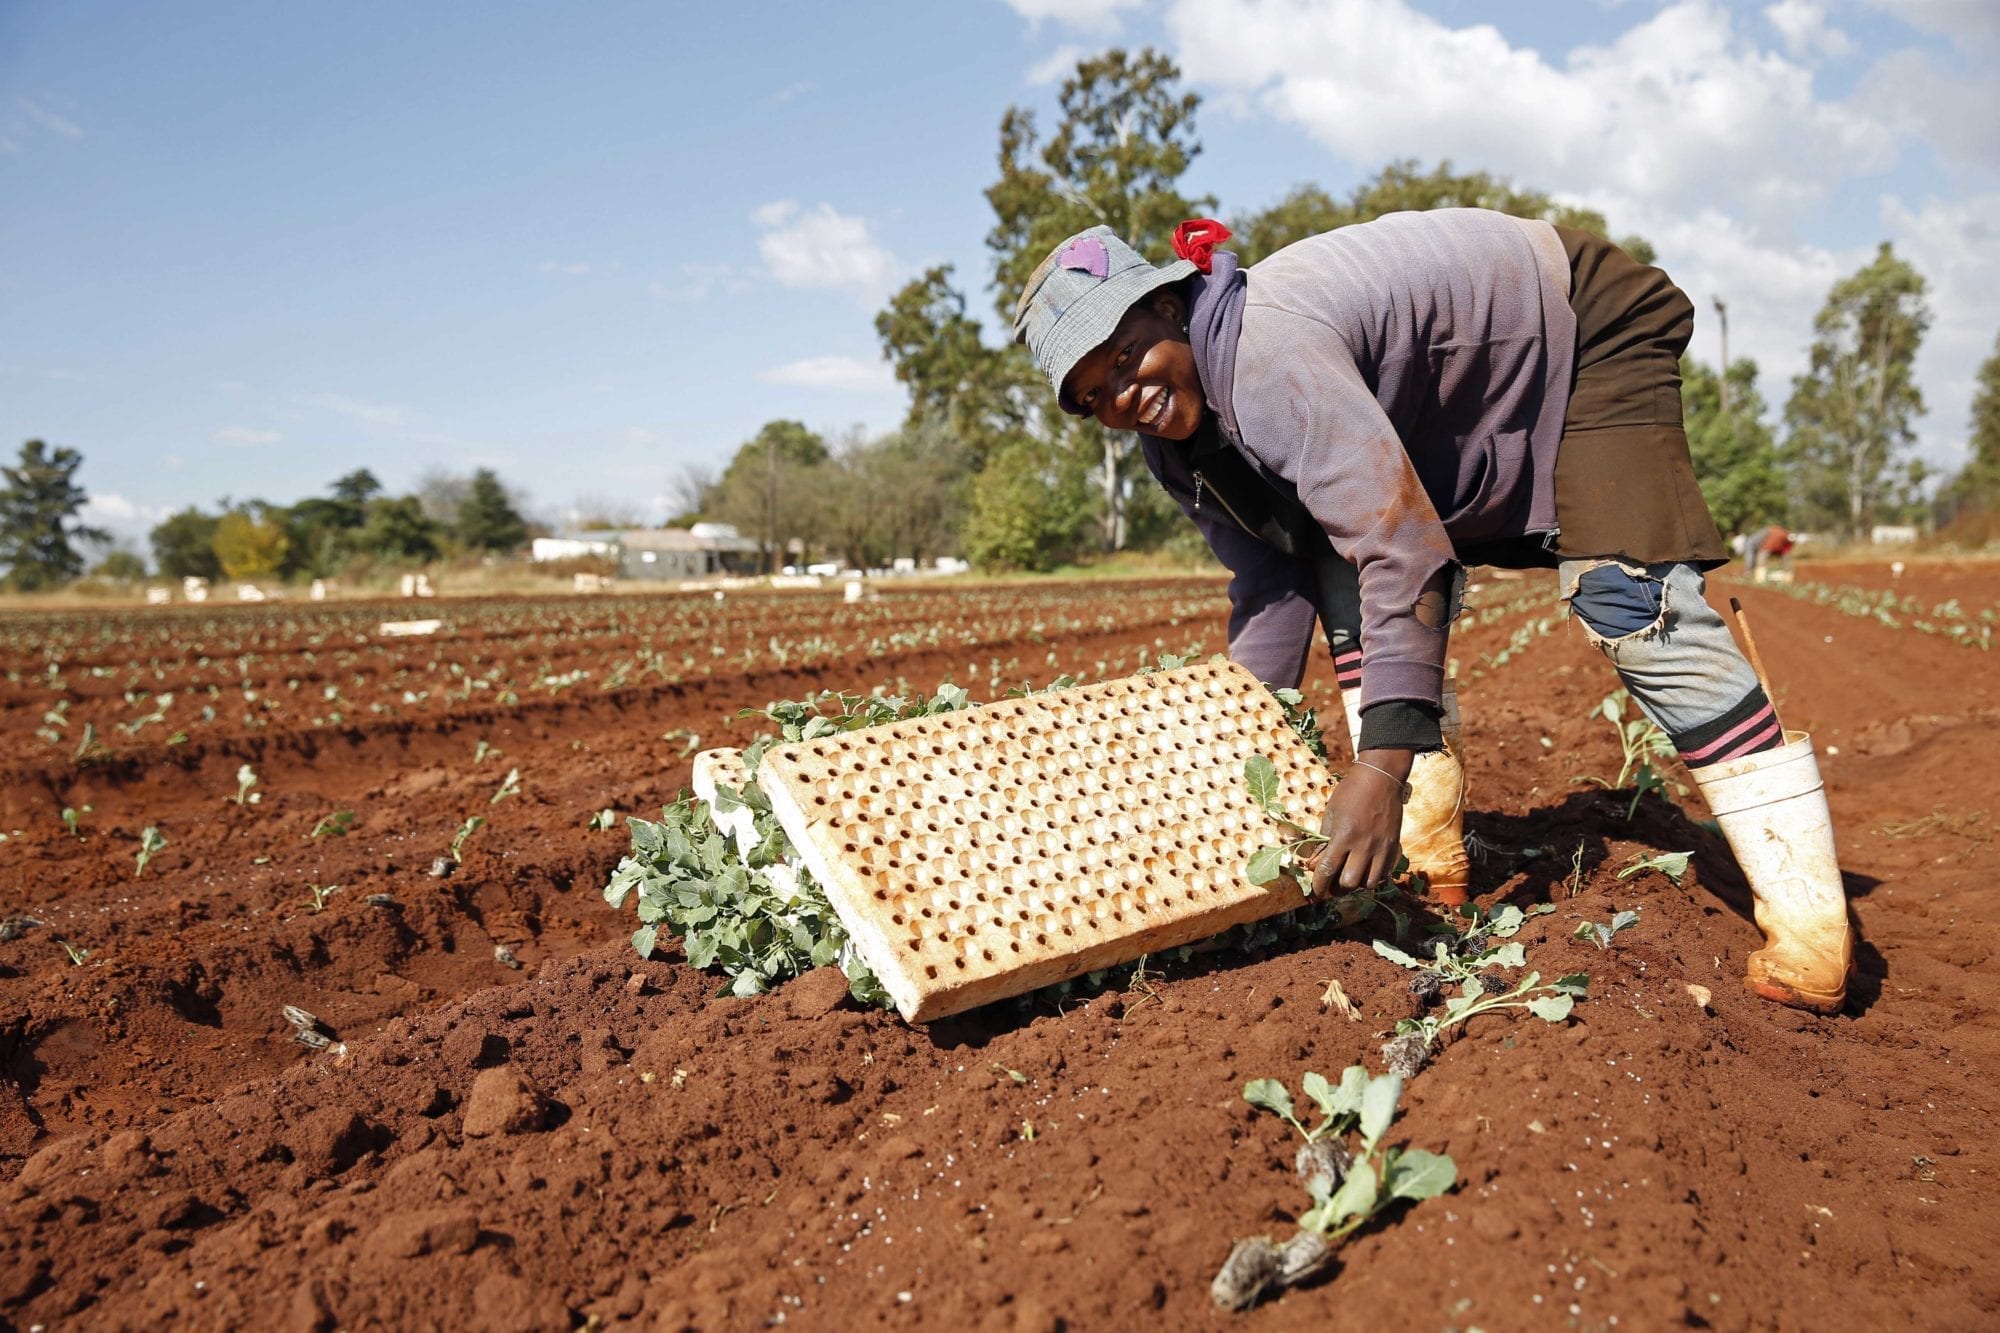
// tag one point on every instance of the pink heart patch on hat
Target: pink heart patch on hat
(1086, 254)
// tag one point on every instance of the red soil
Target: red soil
(597, 1138)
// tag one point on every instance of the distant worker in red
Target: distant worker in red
(1767, 553)
(1360, 416)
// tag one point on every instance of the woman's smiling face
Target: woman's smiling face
(1143, 376)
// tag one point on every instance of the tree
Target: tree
(1850, 413)
(1125, 139)
(487, 519)
(38, 518)
(956, 382)
(184, 545)
(121, 566)
(771, 487)
(1401, 187)
(357, 488)
(398, 529)
(1735, 458)
(1029, 505)
(250, 547)
(1977, 485)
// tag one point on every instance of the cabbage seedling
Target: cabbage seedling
(73, 819)
(337, 823)
(246, 778)
(1349, 1185)
(1602, 935)
(510, 787)
(1416, 1038)
(1289, 858)
(465, 830)
(151, 843)
(320, 893)
(78, 955)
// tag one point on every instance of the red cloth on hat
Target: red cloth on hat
(1195, 241)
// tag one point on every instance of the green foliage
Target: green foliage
(1976, 488)
(1735, 457)
(121, 566)
(1402, 187)
(336, 824)
(151, 843)
(465, 830)
(39, 505)
(1352, 1187)
(250, 547)
(398, 530)
(184, 545)
(1124, 138)
(487, 519)
(1671, 864)
(1851, 414)
(1029, 509)
(1642, 741)
(771, 488)
(731, 914)
(1602, 934)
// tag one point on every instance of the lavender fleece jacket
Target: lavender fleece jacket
(1406, 379)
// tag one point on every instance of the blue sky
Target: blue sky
(247, 247)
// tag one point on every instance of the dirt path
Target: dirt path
(599, 1138)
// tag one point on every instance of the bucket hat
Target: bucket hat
(1075, 298)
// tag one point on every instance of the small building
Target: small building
(684, 553)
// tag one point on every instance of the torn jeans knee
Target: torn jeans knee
(1618, 603)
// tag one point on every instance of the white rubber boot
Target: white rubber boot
(1434, 819)
(1772, 808)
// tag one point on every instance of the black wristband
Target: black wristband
(1401, 724)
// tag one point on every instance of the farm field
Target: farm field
(170, 1151)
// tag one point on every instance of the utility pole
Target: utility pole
(1722, 314)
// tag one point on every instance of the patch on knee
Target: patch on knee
(1618, 602)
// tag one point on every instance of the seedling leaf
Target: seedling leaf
(1417, 1174)
(1321, 1092)
(1262, 777)
(1271, 1095)
(1551, 1008)
(1355, 1197)
(1378, 1107)
(1266, 865)
(1395, 955)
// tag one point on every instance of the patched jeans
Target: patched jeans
(1674, 654)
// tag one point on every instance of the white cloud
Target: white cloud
(371, 414)
(1057, 65)
(1948, 107)
(1680, 106)
(639, 435)
(1803, 25)
(842, 373)
(1094, 16)
(125, 519)
(792, 91)
(574, 270)
(819, 247)
(247, 435)
(698, 282)
(49, 120)
(1970, 25)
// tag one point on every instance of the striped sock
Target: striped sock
(1347, 667)
(1749, 727)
